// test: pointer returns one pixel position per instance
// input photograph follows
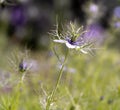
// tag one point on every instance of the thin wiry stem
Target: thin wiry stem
(50, 98)
(16, 97)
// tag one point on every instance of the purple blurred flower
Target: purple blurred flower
(31, 65)
(23, 66)
(117, 12)
(93, 8)
(18, 17)
(95, 34)
(117, 24)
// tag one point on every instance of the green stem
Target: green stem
(57, 83)
(16, 97)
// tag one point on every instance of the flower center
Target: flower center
(71, 41)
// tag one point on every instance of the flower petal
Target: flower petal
(59, 41)
(70, 46)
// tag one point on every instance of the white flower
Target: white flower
(72, 46)
(73, 37)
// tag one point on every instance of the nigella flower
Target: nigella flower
(77, 45)
(73, 38)
(23, 66)
(28, 64)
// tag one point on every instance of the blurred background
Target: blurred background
(24, 25)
